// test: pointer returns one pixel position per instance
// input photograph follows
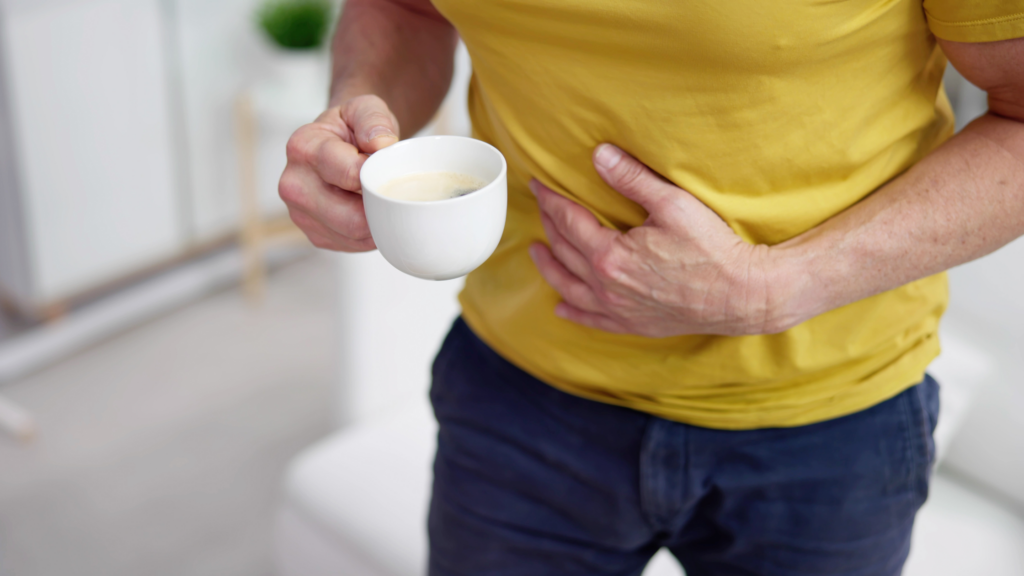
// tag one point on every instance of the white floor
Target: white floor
(161, 450)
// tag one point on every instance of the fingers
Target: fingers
(575, 223)
(319, 208)
(339, 210)
(565, 252)
(322, 241)
(338, 163)
(323, 237)
(372, 123)
(667, 204)
(570, 287)
(320, 184)
(631, 178)
(335, 161)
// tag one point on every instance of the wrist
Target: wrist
(793, 294)
(343, 90)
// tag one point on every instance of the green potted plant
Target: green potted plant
(296, 24)
(297, 33)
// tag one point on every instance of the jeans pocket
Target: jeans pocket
(928, 390)
(921, 411)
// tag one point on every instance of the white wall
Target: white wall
(218, 50)
(89, 101)
(13, 265)
(222, 53)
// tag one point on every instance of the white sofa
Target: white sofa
(356, 502)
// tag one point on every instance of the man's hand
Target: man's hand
(684, 271)
(320, 184)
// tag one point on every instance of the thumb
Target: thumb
(666, 203)
(371, 122)
(630, 177)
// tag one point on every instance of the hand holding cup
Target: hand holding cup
(320, 184)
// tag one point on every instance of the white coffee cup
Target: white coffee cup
(442, 239)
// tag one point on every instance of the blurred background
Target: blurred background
(188, 388)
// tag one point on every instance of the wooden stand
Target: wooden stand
(256, 232)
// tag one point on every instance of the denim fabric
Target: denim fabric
(532, 481)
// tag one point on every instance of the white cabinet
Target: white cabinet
(215, 43)
(117, 148)
(222, 53)
(91, 188)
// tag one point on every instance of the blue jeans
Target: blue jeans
(532, 481)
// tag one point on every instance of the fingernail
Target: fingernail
(607, 156)
(533, 251)
(378, 131)
(533, 186)
(560, 311)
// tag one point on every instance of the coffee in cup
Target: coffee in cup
(431, 186)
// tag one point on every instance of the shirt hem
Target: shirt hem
(905, 378)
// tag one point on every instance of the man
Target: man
(708, 322)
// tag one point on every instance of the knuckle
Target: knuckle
(374, 118)
(290, 189)
(565, 224)
(565, 219)
(629, 173)
(603, 296)
(342, 170)
(298, 147)
(608, 298)
(606, 266)
(577, 295)
(350, 173)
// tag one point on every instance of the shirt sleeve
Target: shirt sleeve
(975, 20)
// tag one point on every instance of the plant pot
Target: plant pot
(296, 79)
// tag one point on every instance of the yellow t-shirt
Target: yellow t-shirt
(777, 115)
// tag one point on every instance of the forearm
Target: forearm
(961, 202)
(399, 50)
